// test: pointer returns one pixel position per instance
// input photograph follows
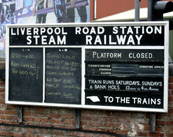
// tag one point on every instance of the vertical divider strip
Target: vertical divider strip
(7, 48)
(83, 75)
(44, 86)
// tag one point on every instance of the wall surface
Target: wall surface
(109, 7)
(53, 122)
(106, 8)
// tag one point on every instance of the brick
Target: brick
(68, 122)
(53, 121)
(124, 132)
(108, 113)
(59, 133)
(171, 79)
(84, 122)
(118, 131)
(91, 124)
(170, 110)
(18, 134)
(6, 122)
(29, 119)
(15, 123)
(11, 107)
(142, 133)
(41, 110)
(37, 119)
(160, 123)
(9, 118)
(2, 100)
(10, 112)
(1, 112)
(3, 133)
(170, 135)
(170, 99)
(171, 129)
(108, 125)
(170, 92)
(2, 116)
(169, 123)
(2, 89)
(65, 116)
(30, 135)
(156, 134)
(59, 122)
(122, 120)
(87, 118)
(2, 127)
(170, 86)
(27, 113)
(2, 95)
(146, 128)
(158, 129)
(44, 120)
(54, 115)
(115, 125)
(2, 83)
(33, 114)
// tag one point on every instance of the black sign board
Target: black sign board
(124, 77)
(25, 71)
(113, 66)
(63, 75)
(112, 35)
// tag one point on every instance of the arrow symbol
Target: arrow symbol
(93, 98)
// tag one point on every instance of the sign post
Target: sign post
(111, 66)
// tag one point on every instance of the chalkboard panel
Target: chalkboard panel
(63, 75)
(25, 74)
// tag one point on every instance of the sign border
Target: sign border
(82, 105)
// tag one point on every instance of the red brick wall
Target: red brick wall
(41, 122)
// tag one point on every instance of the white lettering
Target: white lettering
(88, 40)
(29, 41)
(77, 30)
(138, 39)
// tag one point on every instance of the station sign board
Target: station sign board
(110, 66)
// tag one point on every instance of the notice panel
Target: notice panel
(25, 72)
(126, 77)
(111, 66)
(63, 75)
